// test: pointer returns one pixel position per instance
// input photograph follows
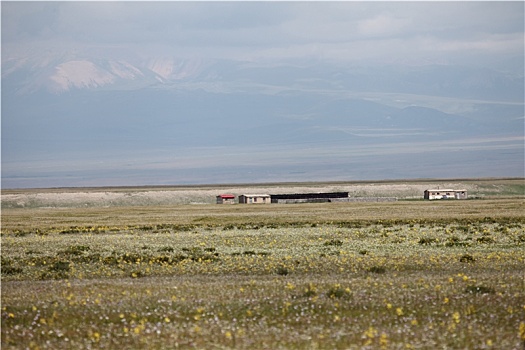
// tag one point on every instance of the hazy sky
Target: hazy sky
(441, 32)
(71, 136)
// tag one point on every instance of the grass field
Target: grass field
(401, 275)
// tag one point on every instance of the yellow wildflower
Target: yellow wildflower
(522, 331)
(399, 311)
(383, 340)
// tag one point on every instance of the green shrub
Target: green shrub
(310, 291)
(334, 242)
(377, 269)
(457, 244)
(479, 290)
(337, 292)
(137, 274)
(282, 271)
(166, 249)
(132, 258)
(485, 239)
(427, 240)
(11, 270)
(463, 228)
(467, 258)
(61, 266)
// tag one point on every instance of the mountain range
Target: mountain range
(128, 105)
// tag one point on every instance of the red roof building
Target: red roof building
(225, 199)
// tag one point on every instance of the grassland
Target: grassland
(408, 274)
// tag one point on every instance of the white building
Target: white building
(445, 193)
(254, 199)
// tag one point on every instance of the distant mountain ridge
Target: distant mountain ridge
(63, 72)
(288, 115)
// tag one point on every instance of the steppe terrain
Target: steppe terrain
(147, 268)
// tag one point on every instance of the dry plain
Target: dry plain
(137, 273)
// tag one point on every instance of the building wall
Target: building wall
(445, 194)
(461, 194)
(254, 199)
(307, 197)
(225, 199)
(336, 200)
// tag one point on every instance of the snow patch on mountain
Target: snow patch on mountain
(124, 70)
(163, 67)
(170, 69)
(80, 74)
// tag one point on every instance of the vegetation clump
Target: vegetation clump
(467, 258)
(310, 291)
(282, 271)
(485, 239)
(427, 240)
(377, 269)
(7, 267)
(334, 242)
(61, 266)
(167, 249)
(338, 292)
(479, 290)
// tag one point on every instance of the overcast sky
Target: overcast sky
(71, 43)
(385, 32)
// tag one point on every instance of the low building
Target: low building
(461, 194)
(445, 193)
(308, 197)
(226, 199)
(254, 199)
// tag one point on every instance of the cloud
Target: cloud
(333, 30)
(87, 44)
(381, 26)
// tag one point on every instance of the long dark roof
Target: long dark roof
(310, 195)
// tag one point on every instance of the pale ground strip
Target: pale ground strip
(147, 196)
